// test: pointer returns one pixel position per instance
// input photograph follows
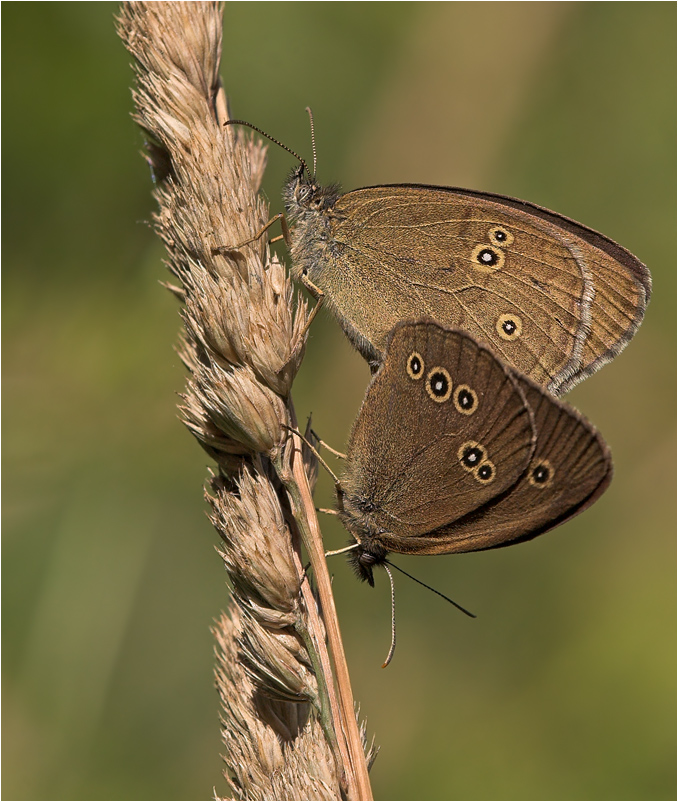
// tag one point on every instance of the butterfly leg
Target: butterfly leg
(226, 249)
(329, 448)
(319, 295)
(342, 551)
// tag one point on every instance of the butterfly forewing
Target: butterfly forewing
(552, 298)
(443, 429)
(425, 249)
(616, 312)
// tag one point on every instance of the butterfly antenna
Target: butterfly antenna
(419, 582)
(310, 117)
(391, 651)
(274, 140)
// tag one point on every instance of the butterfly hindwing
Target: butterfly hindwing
(570, 469)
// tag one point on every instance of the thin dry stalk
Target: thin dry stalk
(288, 722)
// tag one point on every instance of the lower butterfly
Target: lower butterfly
(453, 451)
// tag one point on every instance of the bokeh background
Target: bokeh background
(564, 686)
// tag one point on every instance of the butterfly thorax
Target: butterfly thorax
(309, 208)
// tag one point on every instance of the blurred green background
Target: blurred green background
(564, 687)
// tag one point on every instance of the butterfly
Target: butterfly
(453, 451)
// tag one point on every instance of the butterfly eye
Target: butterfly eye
(439, 385)
(303, 192)
(541, 474)
(415, 366)
(500, 236)
(509, 327)
(471, 455)
(485, 472)
(465, 400)
(487, 257)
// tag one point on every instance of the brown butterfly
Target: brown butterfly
(552, 298)
(452, 451)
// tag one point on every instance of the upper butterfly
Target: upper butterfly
(552, 298)
(452, 451)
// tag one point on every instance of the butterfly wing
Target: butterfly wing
(570, 469)
(552, 298)
(444, 428)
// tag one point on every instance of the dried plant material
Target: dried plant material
(288, 724)
(240, 406)
(257, 550)
(275, 660)
(276, 750)
(310, 455)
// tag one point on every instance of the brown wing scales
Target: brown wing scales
(570, 469)
(428, 246)
(406, 251)
(404, 462)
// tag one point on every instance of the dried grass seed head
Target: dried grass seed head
(251, 324)
(285, 758)
(276, 662)
(257, 543)
(240, 406)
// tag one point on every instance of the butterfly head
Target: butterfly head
(304, 197)
(355, 513)
(365, 557)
